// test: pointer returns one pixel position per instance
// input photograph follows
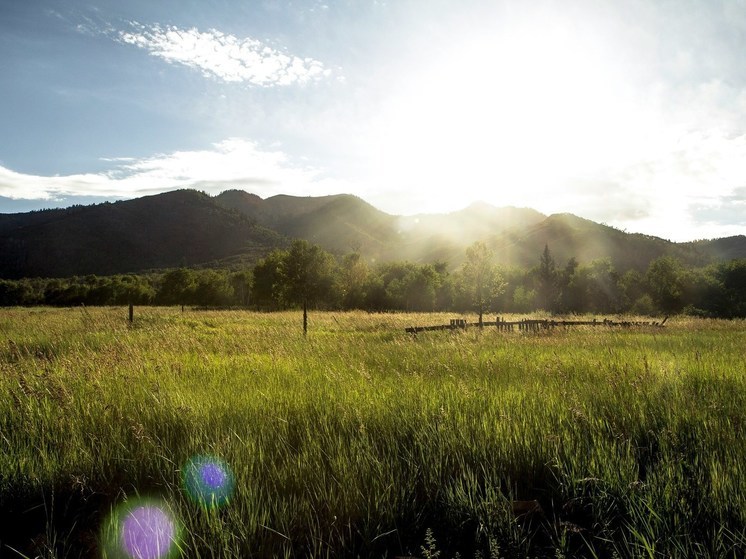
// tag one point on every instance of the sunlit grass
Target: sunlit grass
(357, 439)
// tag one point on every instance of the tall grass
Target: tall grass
(362, 440)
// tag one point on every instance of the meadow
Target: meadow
(364, 441)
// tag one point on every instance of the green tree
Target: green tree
(421, 288)
(732, 275)
(266, 284)
(548, 280)
(307, 274)
(575, 290)
(394, 277)
(177, 287)
(665, 284)
(604, 294)
(213, 289)
(704, 293)
(481, 278)
(353, 278)
(632, 286)
(101, 291)
(571, 290)
(15, 293)
(444, 292)
(524, 300)
(241, 284)
(132, 289)
(376, 298)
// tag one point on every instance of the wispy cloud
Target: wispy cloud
(224, 56)
(729, 209)
(232, 163)
(691, 188)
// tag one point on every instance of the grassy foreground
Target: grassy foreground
(365, 441)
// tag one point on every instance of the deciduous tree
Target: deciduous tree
(307, 274)
(665, 284)
(177, 287)
(353, 277)
(266, 283)
(481, 278)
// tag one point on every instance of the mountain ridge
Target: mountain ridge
(191, 228)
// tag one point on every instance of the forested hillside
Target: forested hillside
(181, 228)
(190, 228)
(186, 247)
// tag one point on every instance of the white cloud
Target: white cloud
(695, 191)
(224, 56)
(675, 192)
(232, 163)
(675, 188)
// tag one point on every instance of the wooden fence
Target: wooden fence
(531, 325)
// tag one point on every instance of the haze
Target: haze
(632, 114)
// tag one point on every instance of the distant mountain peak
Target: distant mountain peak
(480, 206)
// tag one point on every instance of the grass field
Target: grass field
(362, 440)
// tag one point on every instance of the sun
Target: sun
(503, 117)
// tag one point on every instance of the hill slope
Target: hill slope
(172, 229)
(570, 236)
(339, 223)
(186, 228)
(343, 223)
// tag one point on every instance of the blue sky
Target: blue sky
(629, 113)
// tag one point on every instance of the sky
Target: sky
(628, 113)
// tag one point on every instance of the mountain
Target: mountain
(571, 236)
(726, 248)
(444, 237)
(339, 223)
(178, 228)
(190, 228)
(343, 223)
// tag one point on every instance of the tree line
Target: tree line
(305, 276)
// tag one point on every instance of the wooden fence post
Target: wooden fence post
(131, 313)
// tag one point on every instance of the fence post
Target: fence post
(131, 312)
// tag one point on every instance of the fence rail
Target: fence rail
(532, 325)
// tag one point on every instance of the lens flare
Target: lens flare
(141, 529)
(208, 481)
(147, 533)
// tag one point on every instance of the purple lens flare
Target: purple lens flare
(141, 529)
(147, 533)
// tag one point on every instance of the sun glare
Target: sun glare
(504, 117)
